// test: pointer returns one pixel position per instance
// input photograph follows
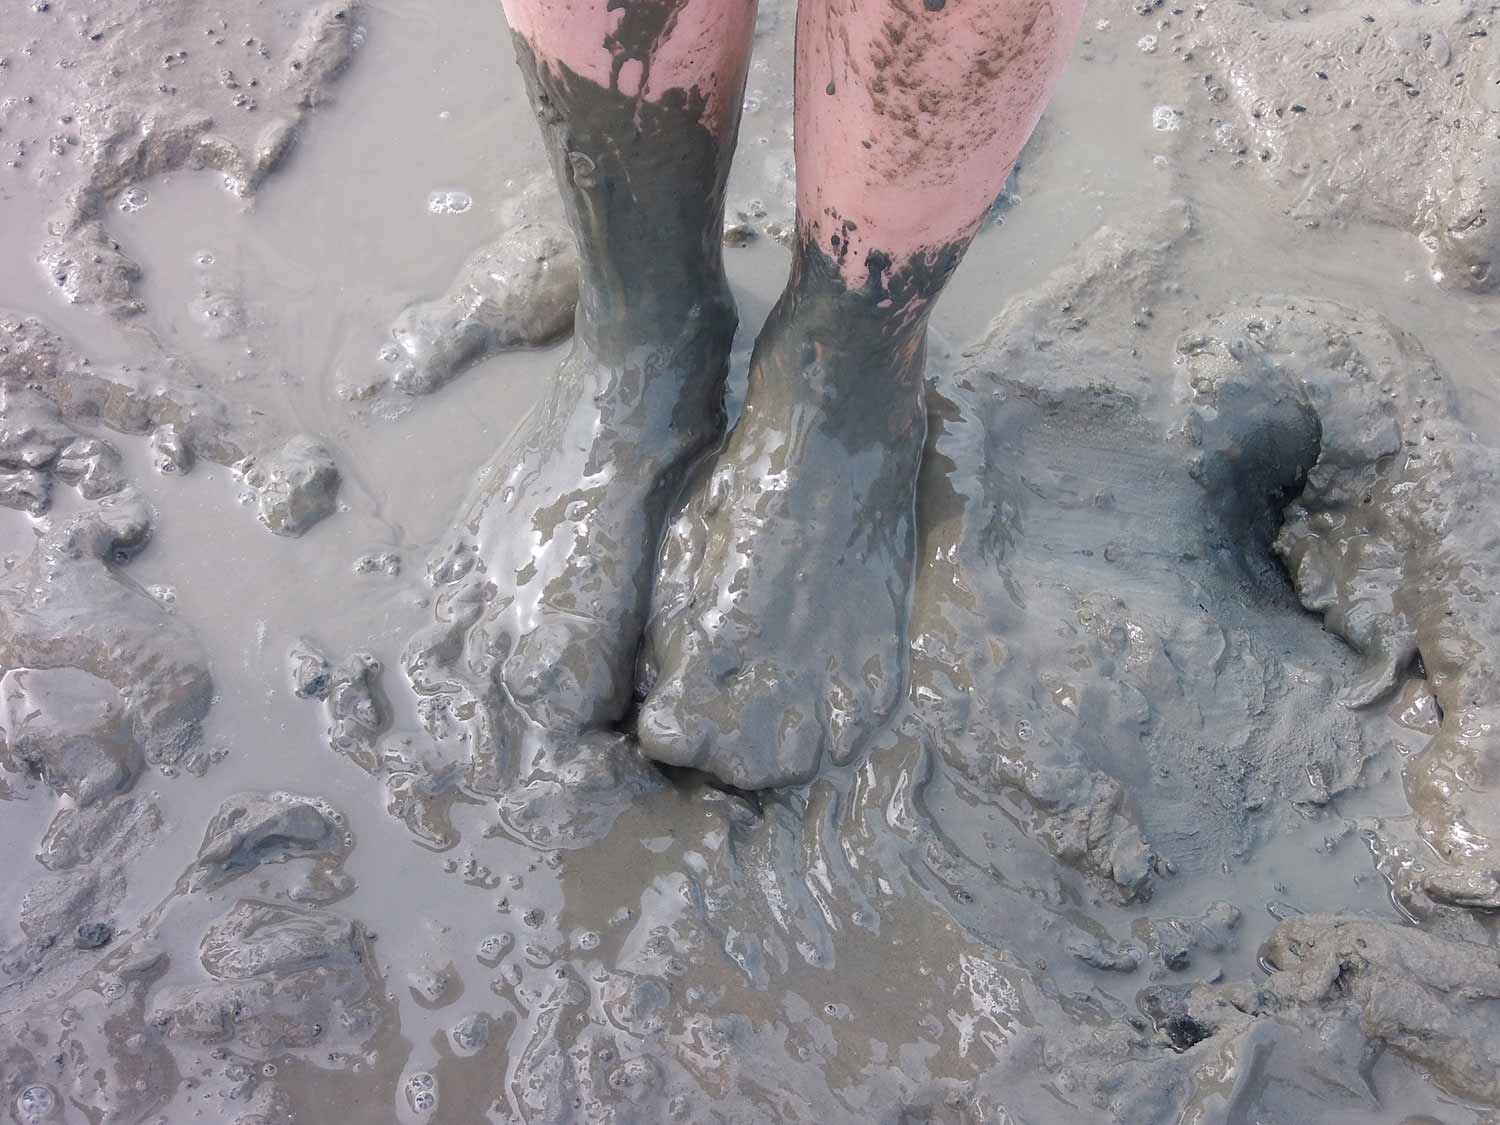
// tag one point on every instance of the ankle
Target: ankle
(864, 383)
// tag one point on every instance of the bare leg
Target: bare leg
(639, 104)
(780, 629)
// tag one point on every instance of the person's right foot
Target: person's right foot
(563, 538)
(566, 528)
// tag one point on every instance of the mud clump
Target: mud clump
(515, 293)
(50, 387)
(170, 450)
(293, 488)
(50, 394)
(99, 673)
(253, 829)
(70, 727)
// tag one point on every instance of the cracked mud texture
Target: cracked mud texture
(1184, 813)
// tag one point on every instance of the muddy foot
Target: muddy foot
(567, 521)
(780, 627)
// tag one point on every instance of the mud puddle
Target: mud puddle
(1187, 816)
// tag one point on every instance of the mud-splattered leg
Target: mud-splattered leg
(780, 627)
(639, 105)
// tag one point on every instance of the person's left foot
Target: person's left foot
(779, 626)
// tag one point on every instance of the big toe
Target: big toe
(567, 674)
(752, 731)
(668, 731)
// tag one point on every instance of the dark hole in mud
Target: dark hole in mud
(1167, 1009)
(1184, 1031)
(1251, 471)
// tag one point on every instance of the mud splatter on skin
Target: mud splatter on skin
(929, 112)
(813, 493)
(643, 26)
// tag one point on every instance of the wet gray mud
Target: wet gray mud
(1184, 813)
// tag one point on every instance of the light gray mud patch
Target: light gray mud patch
(1350, 113)
(99, 99)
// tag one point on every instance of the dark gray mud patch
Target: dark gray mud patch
(1390, 541)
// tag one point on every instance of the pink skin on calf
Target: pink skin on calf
(643, 48)
(909, 118)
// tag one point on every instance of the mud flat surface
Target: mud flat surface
(1190, 813)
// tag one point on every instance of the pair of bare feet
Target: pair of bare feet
(751, 623)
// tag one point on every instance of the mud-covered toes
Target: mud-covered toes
(751, 728)
(667, 735)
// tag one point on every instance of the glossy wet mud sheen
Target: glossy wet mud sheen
(751, 677)
(354, 625)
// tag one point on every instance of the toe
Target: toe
(668, 732)
(758, 730)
